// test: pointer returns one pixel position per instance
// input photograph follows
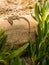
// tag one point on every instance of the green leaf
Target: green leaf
(18, 51)
(47, 18)
(37, 12)
(39, 32)
(44, 3)
(47, 7)
(23, 62)
(44, 11)
(3, 42)
(15, 61)
(31, 49)
(1, 32)
(40, 6)
(48, 26)
(11, 62)
(3, 62)
(45, 28)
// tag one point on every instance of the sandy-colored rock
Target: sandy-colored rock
(16, 24)
(19, 32)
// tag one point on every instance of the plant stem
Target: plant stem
(43, 40)
(33, 61)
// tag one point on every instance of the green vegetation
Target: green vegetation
(39, 50)
(7, 56)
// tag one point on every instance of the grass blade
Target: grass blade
(37, 12)
(19, 51)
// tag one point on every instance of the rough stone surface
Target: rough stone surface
(17, 29)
